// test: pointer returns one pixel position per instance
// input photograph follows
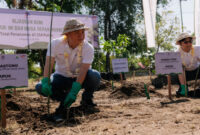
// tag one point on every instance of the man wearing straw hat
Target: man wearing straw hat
(190, 56)
(73, 58)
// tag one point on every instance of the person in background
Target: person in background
(190, 56)
(72, 56)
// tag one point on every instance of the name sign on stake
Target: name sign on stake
(168, 62)
(120, 65)
(13, 70)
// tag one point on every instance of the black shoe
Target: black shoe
(88, 103)
(58, 118)
(60, 114)
(178, 94)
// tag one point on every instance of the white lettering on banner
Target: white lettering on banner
(24, 21)
(168, 62)
(5, 76)
(8, 65)
(13, 70)
(38, 28)
(120, 65)
(4, 33)
(2, 27)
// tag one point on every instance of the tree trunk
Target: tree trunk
(107, 32)
(107, 62)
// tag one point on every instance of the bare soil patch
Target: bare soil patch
(120, 111)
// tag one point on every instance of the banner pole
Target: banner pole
(181, 15)
(27, 30)
(3, 108)
(49, 76)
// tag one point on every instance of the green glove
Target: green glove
(46, 87)
(71, 97)
(183, 90)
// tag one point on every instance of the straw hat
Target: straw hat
(73, 25)
(183, 36)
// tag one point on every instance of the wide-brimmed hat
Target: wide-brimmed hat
(183, 36)
(73, 25)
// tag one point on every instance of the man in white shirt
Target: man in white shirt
(190, 56)
(72, 57)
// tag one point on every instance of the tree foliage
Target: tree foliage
(166, 30)
(117, 47)
(119, 17)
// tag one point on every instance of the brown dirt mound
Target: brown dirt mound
(32, 114)
(129, 89)
(104, 84)
(20, 109)
(132, 116)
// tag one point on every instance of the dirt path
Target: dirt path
(117, 113)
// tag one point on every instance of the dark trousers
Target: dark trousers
(191, 75)
(61, 85)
